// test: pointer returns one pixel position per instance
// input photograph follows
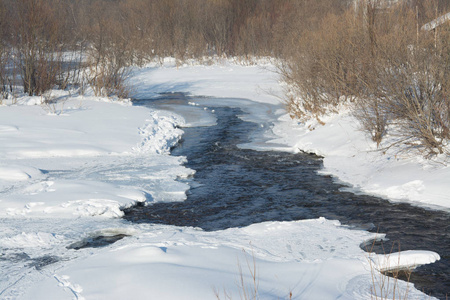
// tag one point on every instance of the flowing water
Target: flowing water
(236, 187)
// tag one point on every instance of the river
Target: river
(236, 187)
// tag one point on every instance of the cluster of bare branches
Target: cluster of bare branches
(395, 74)
(373, 54)
(35, 36)
(39, 38)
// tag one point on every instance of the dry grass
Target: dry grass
(247, 281)
(385, 277)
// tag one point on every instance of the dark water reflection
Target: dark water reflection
(235, 187)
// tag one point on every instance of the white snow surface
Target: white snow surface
(45, 158)
(312, 259)
(66, 171)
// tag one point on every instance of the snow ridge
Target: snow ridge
(160, 133)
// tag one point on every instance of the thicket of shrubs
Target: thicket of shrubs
(372, 54)
(101, 37)
(378, 57)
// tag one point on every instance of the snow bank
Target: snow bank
(18, 173)
(64, 198)
(86, 134)
(405, 260)
(159, 133)
(41, 240)
(312, 259)
(85, 128)
(352, 157)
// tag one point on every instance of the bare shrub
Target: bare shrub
(407, 86)
(370, 109)
(5, 82)
(320, 72)
(419, 100)
(109, 51)
(413, 74)
(37, 27)
(374, 54)
(373, 117)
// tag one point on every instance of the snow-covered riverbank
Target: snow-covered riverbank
(64, 177)
(349, 154)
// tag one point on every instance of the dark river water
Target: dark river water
(235, 187)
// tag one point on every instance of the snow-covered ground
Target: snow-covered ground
(66, 171)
